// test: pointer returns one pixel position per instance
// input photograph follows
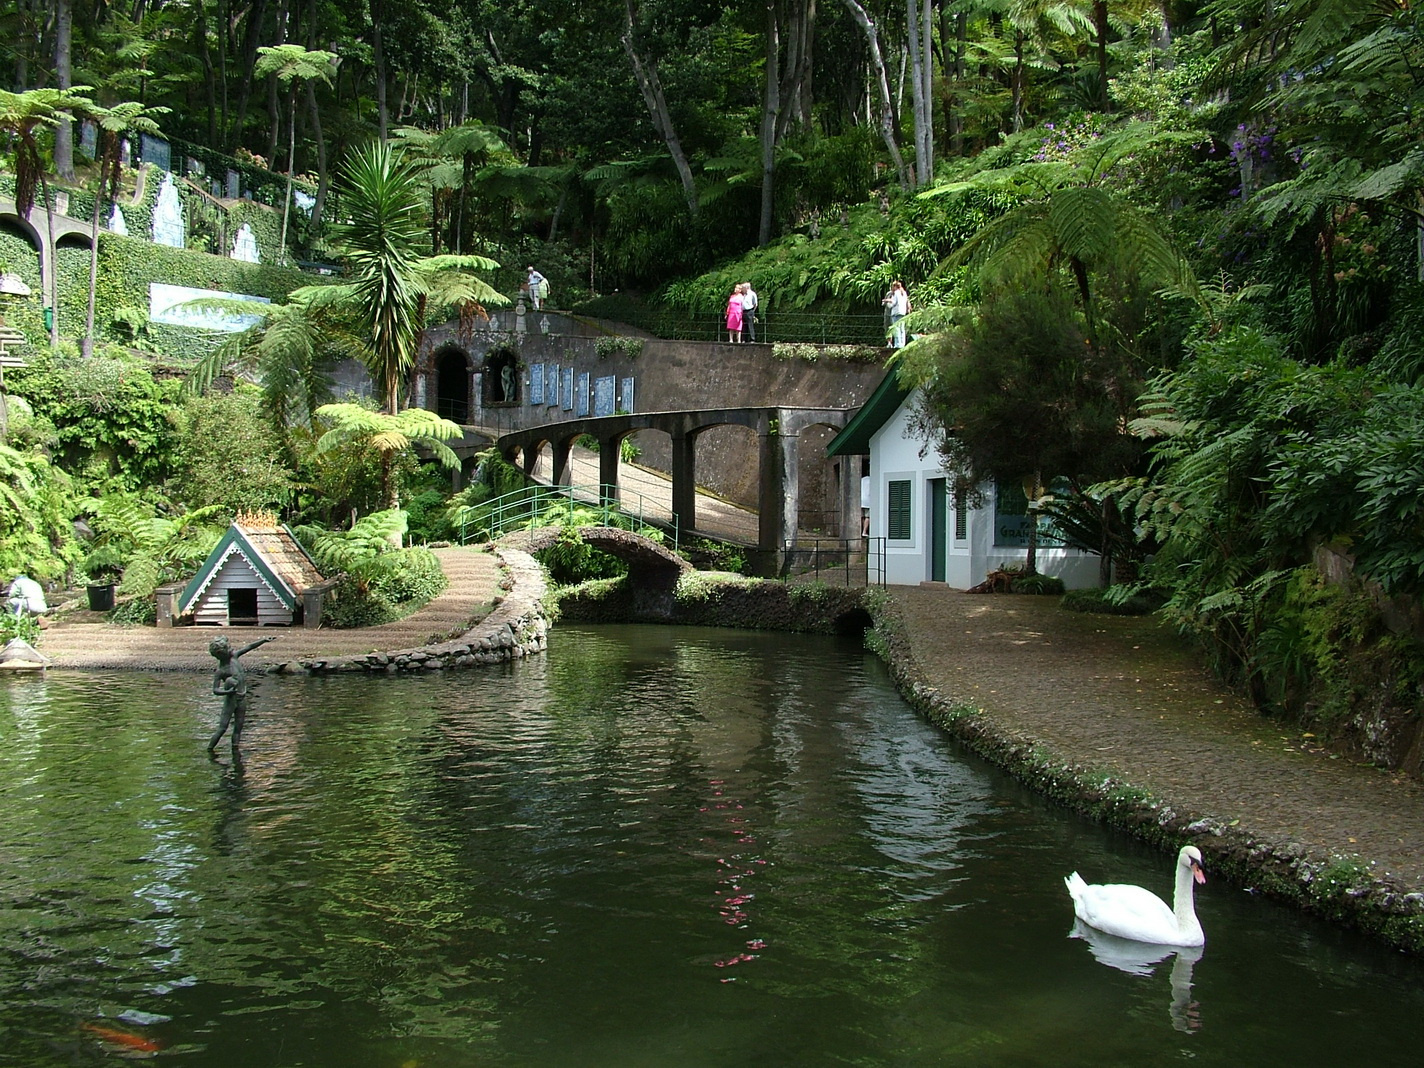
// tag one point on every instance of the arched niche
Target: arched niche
(500, 382)
(452, 385)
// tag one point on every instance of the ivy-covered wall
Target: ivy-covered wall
(128, 264)
(126, 267)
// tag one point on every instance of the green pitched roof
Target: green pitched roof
(854, 440)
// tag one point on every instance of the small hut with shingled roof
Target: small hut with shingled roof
(258, 575)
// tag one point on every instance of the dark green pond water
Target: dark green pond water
(650, 847)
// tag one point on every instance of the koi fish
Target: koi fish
(127, 1039)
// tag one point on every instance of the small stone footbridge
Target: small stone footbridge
(650, 565)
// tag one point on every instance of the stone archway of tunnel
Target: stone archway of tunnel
(452, 384)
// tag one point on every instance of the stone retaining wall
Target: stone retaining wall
(516, 628)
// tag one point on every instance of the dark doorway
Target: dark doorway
(241, 607)
(452, 386)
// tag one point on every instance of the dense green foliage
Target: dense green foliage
(379, 582)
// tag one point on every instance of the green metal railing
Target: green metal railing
(517, 509)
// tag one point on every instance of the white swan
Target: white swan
(1140, 915)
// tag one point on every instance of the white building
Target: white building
(932, 534)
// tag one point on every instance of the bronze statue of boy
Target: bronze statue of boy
(230, 683)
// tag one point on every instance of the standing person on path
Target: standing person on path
(734, 315)
(538, 287)
(230, 683)
(897, 301)
(749, 309)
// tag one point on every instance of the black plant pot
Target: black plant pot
(101, 597)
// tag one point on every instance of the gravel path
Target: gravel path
(1125, 695)
(474, 576)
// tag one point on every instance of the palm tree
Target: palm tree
(377, 316)
(1067, 218)
(389, 434)
(392, 284)
(292, 63)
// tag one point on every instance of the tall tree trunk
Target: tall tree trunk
(882, 82)
(770, 111)
(108, 152)
(797, 33)
(251, 39)
(53, 254)
(912, 14)
(64, 79)
(1100, 27)
(645, 71)
(378, 56)
(274, 96)
(956, 117)
(282, 257)
(925, 115)
(205, 52)
(1017, 82)
(223, 23)
(318, 137)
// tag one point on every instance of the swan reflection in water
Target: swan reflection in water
(1141, 958)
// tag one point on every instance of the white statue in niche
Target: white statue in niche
(168, 227)
(117, 223)
(244, 246)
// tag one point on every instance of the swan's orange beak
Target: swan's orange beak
(1198, 874)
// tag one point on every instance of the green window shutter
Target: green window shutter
(961, 516)
(899, 518)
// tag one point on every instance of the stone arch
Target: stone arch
(23, 228)
(75, 239)
(452, 384)
(500, 380)
(650, 565)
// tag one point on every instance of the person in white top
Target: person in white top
(749, 315)
(898, 303)
(26, 595)
(538, 288)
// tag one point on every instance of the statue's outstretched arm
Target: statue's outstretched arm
(254, 645)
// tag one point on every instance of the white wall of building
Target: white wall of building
(895, 457)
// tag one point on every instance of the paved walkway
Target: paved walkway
(1125, 695)
(643, 490)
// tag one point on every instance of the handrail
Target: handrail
(515, 509)
(859, 558)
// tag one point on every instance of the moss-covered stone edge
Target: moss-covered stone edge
(1344, 889)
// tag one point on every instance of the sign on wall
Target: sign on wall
(172, 305)
(536, 383)
(604, 401)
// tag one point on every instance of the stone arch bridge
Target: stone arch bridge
(654, 566)
(777, 428)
